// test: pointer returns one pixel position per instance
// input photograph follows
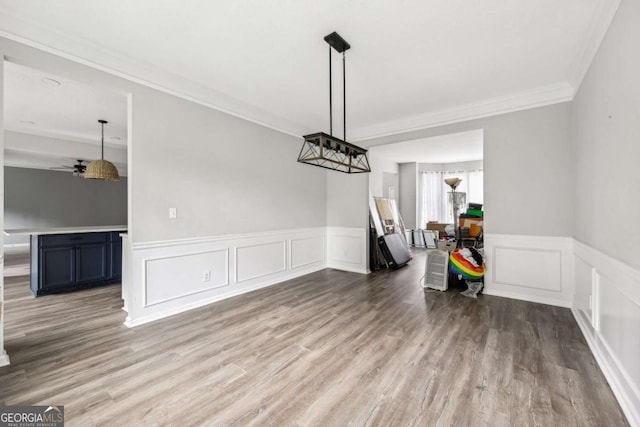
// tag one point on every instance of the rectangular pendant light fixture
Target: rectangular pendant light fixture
(327, 151)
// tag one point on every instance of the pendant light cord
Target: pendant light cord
(102, 155)
(344, 98)
(330, 96)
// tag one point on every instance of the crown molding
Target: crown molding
(601, 19)
(22, 144)
(67, 136)
(58, 137)
(491, 107)
(35, 35)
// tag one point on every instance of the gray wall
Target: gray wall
(606, 143)
(527, 158)
(35, 198)
(225, 175)
(380, 165)
(390, 180)
(408, 181)
(347, 199)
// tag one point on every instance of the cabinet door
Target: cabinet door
(91, 262)
(57, 267)
(115, 259)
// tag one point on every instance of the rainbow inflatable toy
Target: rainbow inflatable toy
(466, 262)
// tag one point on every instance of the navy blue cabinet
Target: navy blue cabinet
(91, 262)
(57, 265)
(65, 262)
(115, 255)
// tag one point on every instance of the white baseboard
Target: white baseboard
(161, 279)
(4, 358)
(628, 400)
(531, 268)
(343, 267)
(607, 309)
(201, 303)
(602, 292)
(526, 297)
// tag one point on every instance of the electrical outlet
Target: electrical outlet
(206, 276)
(173, 213)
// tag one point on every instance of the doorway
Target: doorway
(413, 173)
(51, 132)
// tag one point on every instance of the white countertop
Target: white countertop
(64, 230)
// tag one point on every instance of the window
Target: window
(433, 200)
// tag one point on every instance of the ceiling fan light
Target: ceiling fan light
(102, 169)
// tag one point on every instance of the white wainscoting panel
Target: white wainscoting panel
(306, 251)
(584, 287)
(347, 249)
(183, 275)
(607, 308)
(510, 263)
(530, 268)
(254, 261)
(166, 278)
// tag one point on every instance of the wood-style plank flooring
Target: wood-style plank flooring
(328, 349)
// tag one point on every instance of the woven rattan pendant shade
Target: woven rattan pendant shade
(102, 169)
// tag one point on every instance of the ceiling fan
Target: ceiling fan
(77, 169)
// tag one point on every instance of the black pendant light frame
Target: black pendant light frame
(327, 151)
(102, 123)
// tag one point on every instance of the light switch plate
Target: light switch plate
(173, 213)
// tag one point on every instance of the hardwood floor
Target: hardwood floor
(328, 349)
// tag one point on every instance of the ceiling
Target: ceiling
(38, 102)
(452, 148)
(53, 121)
(412, 64)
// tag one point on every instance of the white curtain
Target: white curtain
(432, 198)
(433, 201)
(472, 184)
